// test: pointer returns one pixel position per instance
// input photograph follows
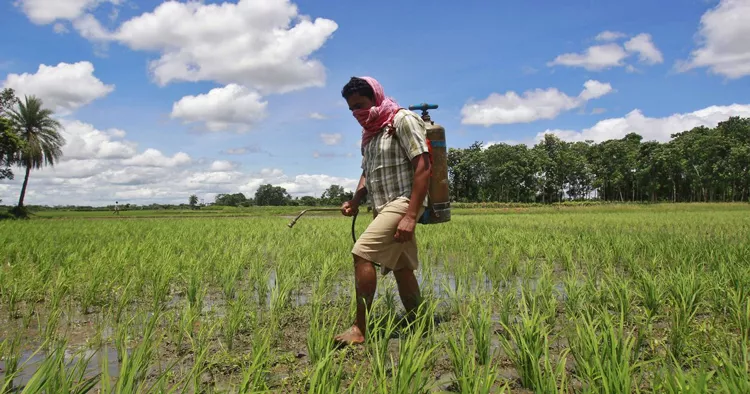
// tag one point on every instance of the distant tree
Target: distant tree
(308, 201)
(193, 201)
(10, 142)
(40, 133)
(271, 195)
(10, 145)
(230, 200)
(335, 195)
(8, 101)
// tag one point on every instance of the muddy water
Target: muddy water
(30, 361)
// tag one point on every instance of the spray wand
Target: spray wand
(354, 218)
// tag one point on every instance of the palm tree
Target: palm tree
(39, 131)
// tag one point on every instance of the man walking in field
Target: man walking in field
(395, 174)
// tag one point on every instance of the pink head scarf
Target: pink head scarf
(374, 119)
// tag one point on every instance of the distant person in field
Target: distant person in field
(117, 209)
(395, 174)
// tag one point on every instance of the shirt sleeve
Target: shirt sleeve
(412, 135)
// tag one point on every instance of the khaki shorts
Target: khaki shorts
(377, 245)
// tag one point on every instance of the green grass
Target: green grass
(559, 299)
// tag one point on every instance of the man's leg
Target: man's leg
(408, 289)
(365, 282)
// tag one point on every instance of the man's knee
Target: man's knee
(360, 260)
(404, 273)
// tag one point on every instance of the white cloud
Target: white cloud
(251, 43)
(606, 56)
(44, 12)
(64, 87)
(222, 165)
(596, 58)
(331, 139)
(297, 186)
(724, 45)
(658, 129)
(83, 141)
(317, 116)
(154, 158)
(90, 28)
(609, 35)
(232, 106)
(534, 105)
(645, 48)
(243, 150)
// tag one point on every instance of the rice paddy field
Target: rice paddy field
(610, 299)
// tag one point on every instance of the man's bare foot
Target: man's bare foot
(352, 336)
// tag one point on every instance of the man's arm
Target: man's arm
(420, 184)
(361, 190)
(349, 208)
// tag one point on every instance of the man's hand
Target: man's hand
(349, 208)
(405, 230)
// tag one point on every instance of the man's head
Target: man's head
(358, 94)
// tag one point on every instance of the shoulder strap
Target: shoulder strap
(406, 153)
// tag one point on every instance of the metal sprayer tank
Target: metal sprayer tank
(439, 209)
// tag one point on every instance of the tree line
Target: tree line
(698, 165)
(269, 195)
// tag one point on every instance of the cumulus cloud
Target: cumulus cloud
(609, 35)
(533, 105)
(657, 129)
(232, 106)
(83, 141)
(64, 87)
(251, 42)
(297, 186)
(222, 165)
(724, 47)
(245, 150)
(331, 139)
(606, 56)
(644, 46)
(595, 58)
(44, 12)
(317, 116)
(154, 158)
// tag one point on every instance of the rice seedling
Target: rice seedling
(416, 355)
(604, 353)
(686, 295)
(321, 334)
(470, 376)
(526, 340)
(479, 317)
(236, 314)
(380, 330)
(255, 374)
(650, 292)
(675, 380)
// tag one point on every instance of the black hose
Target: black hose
(354, 220)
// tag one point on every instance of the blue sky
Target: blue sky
(159, 99)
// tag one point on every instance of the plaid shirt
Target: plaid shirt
(387, 166)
